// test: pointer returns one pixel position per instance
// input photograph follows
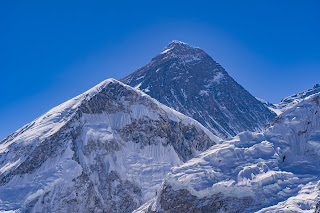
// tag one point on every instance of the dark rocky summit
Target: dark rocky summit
(188, 80)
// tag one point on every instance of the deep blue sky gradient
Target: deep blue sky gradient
(52, 51)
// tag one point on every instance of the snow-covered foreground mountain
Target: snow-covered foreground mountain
(106, 150)
(274, 171)
(188, 80)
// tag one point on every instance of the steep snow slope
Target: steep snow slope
(274, 171)
(188, 80)
(106, 150)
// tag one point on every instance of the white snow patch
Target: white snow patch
(204, 93)
(8, 166)
(139, 77)
(166, 50)
(138, 86)
(217, 78)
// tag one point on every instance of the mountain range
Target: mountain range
(177, 135)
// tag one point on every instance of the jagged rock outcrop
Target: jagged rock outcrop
(317, 210)
(188, 80)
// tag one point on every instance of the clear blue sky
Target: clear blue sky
(52, 51)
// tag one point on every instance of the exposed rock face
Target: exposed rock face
(106, 150)
(277, 170)
(183, 201)
(188, 80)
(317, 210)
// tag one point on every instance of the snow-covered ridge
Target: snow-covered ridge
(277, 170)
(54, 119)
(290, 101)
(41, 128)
(293, 100)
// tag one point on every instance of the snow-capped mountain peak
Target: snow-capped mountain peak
(179, 47)
(106, 149)
(181, 51)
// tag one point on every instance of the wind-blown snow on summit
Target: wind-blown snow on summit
(106, 150)
(188, 80)
(274, 171)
